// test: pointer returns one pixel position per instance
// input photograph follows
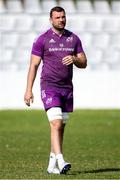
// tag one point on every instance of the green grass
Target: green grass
(91, 144)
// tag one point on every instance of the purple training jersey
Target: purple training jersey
(52, 48)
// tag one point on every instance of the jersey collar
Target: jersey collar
(55, 33)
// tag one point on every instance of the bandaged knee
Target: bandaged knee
(56, 113)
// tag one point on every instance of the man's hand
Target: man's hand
(28, 98)
(79, 60)
(67, 60)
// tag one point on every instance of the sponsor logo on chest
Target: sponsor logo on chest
(64, 46)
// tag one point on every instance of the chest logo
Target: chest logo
(69, 39)
(52, 41)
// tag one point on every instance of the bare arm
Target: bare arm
(79, 60)
(34, 63)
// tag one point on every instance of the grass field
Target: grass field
(91, 144)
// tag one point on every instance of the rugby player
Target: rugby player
(58, 49)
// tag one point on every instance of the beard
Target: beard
(58, 28)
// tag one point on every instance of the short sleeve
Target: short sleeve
(79, 48)
(38, 47)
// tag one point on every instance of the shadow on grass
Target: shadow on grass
(100, 170)
(96, 171)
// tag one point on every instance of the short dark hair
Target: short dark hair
(56, 8)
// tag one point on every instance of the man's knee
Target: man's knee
(57, 124)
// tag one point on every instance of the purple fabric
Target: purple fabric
(52, 48)
(57, 97)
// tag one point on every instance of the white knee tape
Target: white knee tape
(54, 113)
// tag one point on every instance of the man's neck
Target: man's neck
(58, 32)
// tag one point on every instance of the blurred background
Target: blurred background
(96, 22)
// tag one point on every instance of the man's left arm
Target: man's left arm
(79, 60)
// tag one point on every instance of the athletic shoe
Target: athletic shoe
(53, 171)
(65, 167)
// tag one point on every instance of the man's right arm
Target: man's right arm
(34, 63)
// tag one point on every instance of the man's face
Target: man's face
(58, 20)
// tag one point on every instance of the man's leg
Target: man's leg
(59, 124)
(62, 136)
(52, 159)
(57, 132)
